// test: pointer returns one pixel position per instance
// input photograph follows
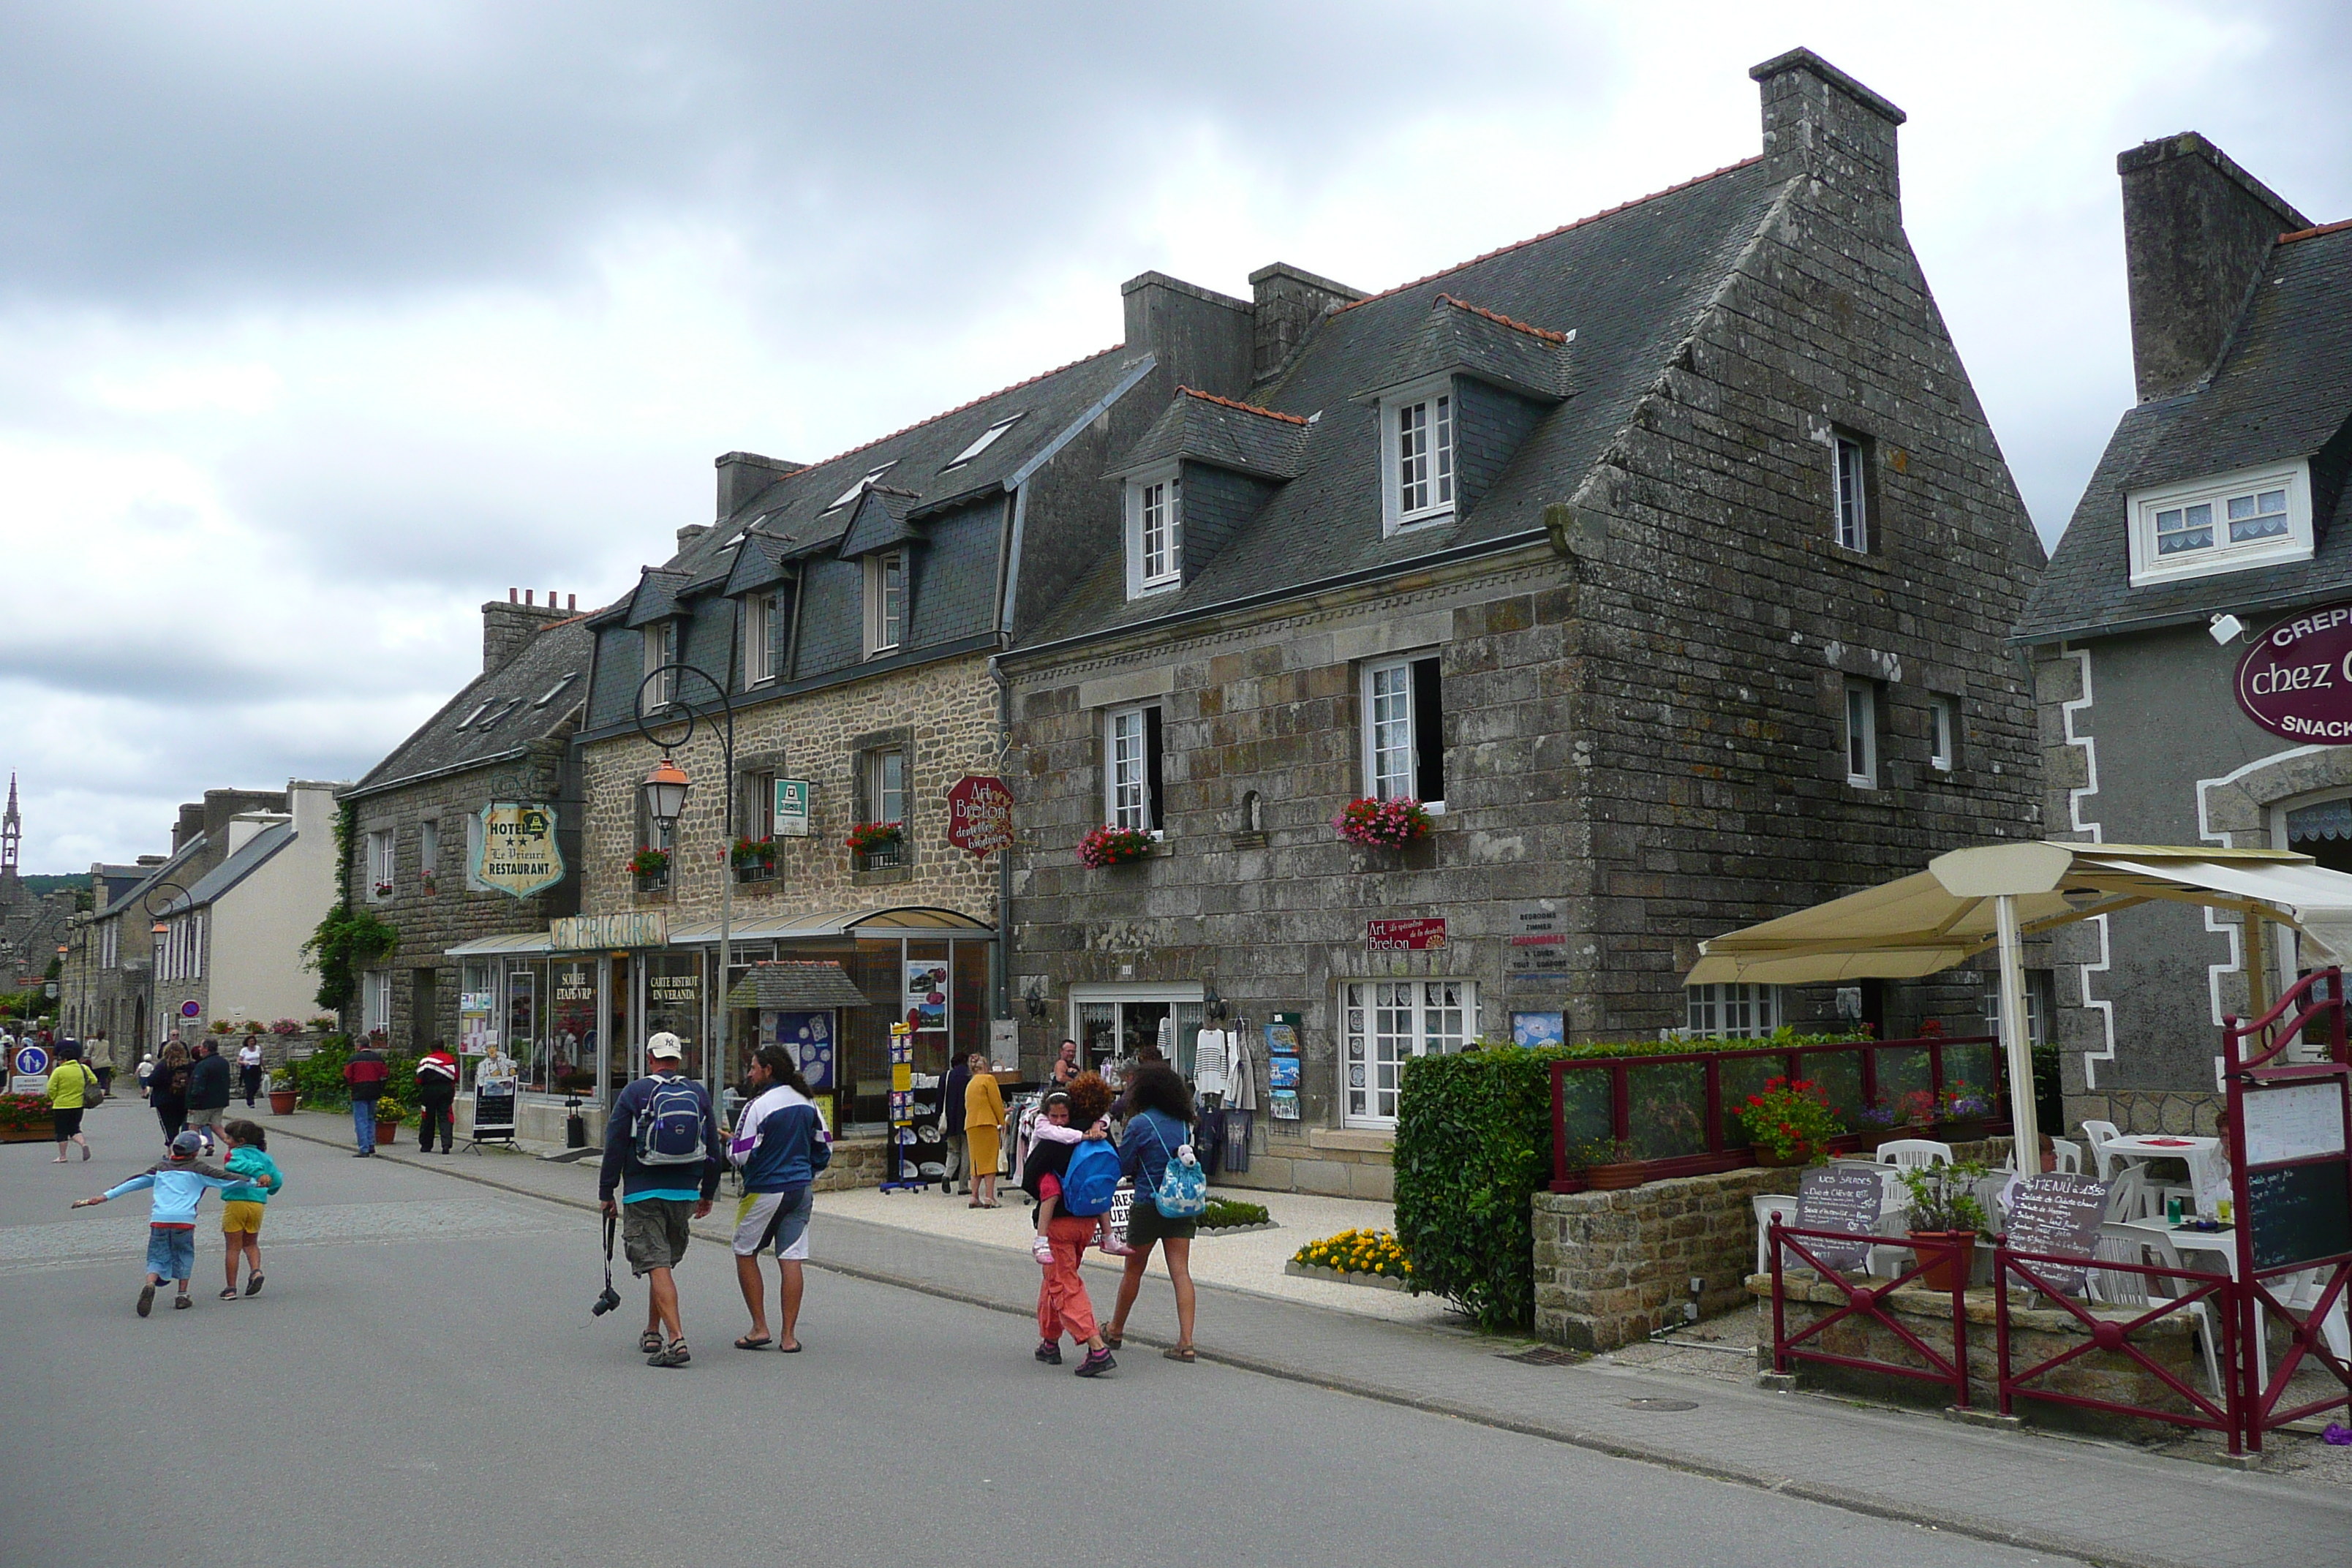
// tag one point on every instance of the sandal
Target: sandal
(1113, 1339)
(1181, 1352)
(228, 1293)
(675, 1355)
(650, 1342)
(748, 1344)
(253, 1285)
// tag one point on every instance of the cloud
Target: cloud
(320, 326)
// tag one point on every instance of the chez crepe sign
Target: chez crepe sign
(2295, 681)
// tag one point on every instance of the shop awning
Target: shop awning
(907, 920)
(1934, 919)
(795, 986)
(520, 944)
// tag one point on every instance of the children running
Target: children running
(179, 1185)
(242, 1205)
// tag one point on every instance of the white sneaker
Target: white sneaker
(1040, 1249)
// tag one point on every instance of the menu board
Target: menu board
(2058, 1213)
(494, 1110)
(1845, 1199)
(2293, 1122)
(2299, 1213)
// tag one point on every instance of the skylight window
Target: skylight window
(555, 691)
(468, 722)
(986, 440)
(853, 491)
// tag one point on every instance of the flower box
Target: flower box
(1383, 823)
(1114, 847)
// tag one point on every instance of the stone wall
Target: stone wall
(2185, 1112)
(1610, 1268)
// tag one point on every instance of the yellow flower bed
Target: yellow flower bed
(1357, 1252)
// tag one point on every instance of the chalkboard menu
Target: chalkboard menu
(494, 1112)
(1845, 1199)
(2060, 1213)
(2298, 1213)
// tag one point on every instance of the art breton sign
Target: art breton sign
(1844, 1198)
(1405, 936)
(2057, 1213)
(980, 815)
(518, 856)
(2296, 680)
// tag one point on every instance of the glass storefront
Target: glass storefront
(1113, 1024)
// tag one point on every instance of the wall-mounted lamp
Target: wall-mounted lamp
(2227, 629)
(1213, 1006)
(1036, 1000)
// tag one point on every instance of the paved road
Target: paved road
(421, 1382)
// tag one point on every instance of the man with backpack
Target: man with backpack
(661, 1152)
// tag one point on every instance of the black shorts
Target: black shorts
(1146, 1224)
(66, 1122)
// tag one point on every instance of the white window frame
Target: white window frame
(429, 846)
(984, 441)
(857, 490)
(1383, 1024)
(1126, 768)
(473, 853)
(758, 665)
(1732, 1010)
(2143, 507)
(196, 944)
(1943, 731)
(886, 614)
(1858, 728)
(1437, 475)
(1850, 491)
(660, 639)
(878, 793)
(110, 946)
(382, 862)
(1146, 574)
(1381, 685)
(375, 1001)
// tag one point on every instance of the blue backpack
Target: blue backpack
(669, 1129)
(1090, 1180)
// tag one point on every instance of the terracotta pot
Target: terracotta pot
(1942, 1275)
(281, 1101)
(386, 1133)
(1613, 1178)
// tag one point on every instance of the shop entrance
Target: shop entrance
(1113, 1024)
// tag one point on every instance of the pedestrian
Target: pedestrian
(167, 1090)
(1066, 1066)
(662, 1154)
(242, 1205)
(146, 1071)
(208, 1086)
(956, 1157)
(983, 1110)
(1159, 1111)
(1063, 1304)
(73, 1089)
(781, 1144)
(436, 1090)
(248, 1068)
(99, 1052)
(366, 1073)
(179, 1185)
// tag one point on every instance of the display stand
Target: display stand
(902, 1111)
(494, 1114)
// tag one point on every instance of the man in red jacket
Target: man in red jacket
(365, 1072)
(437, 1089)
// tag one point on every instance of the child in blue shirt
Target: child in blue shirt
(179, 1185)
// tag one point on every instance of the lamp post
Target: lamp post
(161, 928)
(664, 790)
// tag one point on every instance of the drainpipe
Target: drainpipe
(1003, 978)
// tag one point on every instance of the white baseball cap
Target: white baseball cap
(665, 1045)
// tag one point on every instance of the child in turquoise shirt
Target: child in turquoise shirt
(242, 1205)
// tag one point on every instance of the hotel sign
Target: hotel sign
(517, 854)
(631, 928)
(2295, 681)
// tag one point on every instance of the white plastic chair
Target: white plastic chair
(2099, 1134)
(2067, 1156)
(1765, 1205)
(2129, 1197)
(1914, 1153)
(2127, 1243)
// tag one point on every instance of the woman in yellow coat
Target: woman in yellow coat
(983, 1113)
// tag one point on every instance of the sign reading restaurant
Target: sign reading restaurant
(2296, 680)
(519, 856)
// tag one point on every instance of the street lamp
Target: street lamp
(664, 792)
(161, 929)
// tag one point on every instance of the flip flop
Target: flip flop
(228, 1293)
(1181, 1352)
(748, 1344)
(253, 1285)
(792, 1350)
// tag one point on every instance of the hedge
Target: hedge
(1472, 1145)
(320, 1077)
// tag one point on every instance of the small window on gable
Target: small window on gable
(886, 602)
(2251, 518)
(1403, 726)
(1131, 769)
(1850, 476)
(986, 440)
(1155, 532)
(1943, 732)
(853, 491)
(1861, 733)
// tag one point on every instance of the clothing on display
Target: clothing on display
(1241, 1071)
(1212, 1057)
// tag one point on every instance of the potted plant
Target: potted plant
(283, 1095)
(383, 889)
(1789, 1122)
(1944, 1211)
(1610, 1165)
(389, 1115)
(25, 1119)
(284, 1027)
(753, 856)
(1968, 1113)
(648, 863)
(1383, 823)
(872, 839)
(1114, 847)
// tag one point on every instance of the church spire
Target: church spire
(12, 829)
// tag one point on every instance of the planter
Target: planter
(387, 1133)
(282, 1101)
(1314, 1271)
(1954, 1270)
(28, 1135)
(1615, 1178)
(1967, 1129)
(1802, 1154)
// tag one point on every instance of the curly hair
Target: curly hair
(1156, 1086)
(1089, 1098)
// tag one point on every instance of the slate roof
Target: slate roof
(1629, 282)
(796, 986)
(879, 520)
(1458, 338)
(249, 858)
(193, 850)
(2282, 390)
(1205, 428)
(509, 708)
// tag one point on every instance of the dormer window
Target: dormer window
(762, 638)
(2251, 518)
(853, 491)
(886, 602)
(1155, 532)
(1417, 457)
(661, 658)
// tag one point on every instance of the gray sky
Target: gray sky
(319, 325)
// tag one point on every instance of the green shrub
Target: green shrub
(321, 1079)
(1223, 1214)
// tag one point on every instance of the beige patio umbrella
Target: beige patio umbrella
(1996, 895)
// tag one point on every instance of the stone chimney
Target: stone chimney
(190, 825)
(1819, 122)
(1203, 339)
(2197, 229)
(506, 627)
(1288, 304)
(742, 474)
(688, 535)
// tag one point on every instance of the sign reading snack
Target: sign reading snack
(980, 815)
(631, 928)
(792, 808)
(518, 856)
(1404, 936)
(2296, 680)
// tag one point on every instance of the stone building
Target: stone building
(431, 847)
(2213, 537)
(1667, 557)
(230, 946)
(101, 988)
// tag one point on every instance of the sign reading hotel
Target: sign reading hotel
(630, 928)
(2296, 680)
(980, 815)
(1404, 936)
(792, 808)
(519, 856)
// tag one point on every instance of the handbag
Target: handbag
(1183, 1190)
(1110, 1231)
(91, 1094)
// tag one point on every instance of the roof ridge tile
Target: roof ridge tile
(1243, 408)
(2316, 232)
(1545, 333)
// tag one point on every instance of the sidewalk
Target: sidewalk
(2094, 1501)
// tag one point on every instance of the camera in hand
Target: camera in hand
(606, 1300)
